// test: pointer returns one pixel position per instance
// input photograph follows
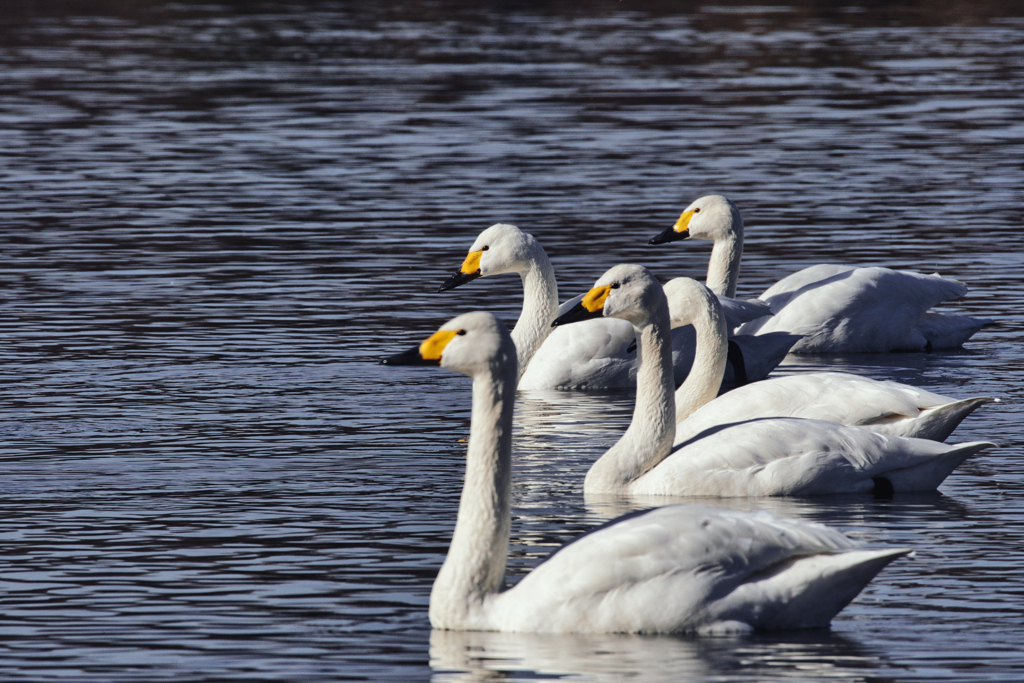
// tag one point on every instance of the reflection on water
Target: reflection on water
(216, 217)
(801, 655)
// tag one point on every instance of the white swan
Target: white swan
(598, 354)
(671, 569)
(764, 457)
(884, 407)
(837, 309)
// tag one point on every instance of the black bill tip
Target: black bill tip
(410, 357)
(669, 235)
(459, 278)
(576, 314)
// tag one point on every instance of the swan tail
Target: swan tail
(928, 475)
(761, 353)
(939, 423)
(806, 592)
(945, 331)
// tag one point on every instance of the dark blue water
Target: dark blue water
(214, 219)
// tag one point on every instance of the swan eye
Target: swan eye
(697, 210)
(485, 249)
(615, 285)
(463, 332)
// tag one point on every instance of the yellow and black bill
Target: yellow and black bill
(470, 271)
(427, 353)
(589, 307)
(679, 231)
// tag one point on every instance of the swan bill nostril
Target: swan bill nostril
(669, 235)
(576, 314)
(427, 353)
(459, 278)
(589, 307)
(410, 357)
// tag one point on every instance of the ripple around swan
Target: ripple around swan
(216, 218)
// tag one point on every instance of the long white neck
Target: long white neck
(540, 306)
(648, 439)
(724, 266)
(475, 566)
(705, 378)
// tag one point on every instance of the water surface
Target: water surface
(216, 218)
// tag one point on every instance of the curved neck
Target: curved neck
(475, 565)
(648, 439)
(712, 350)
(540, 307)
(724, 266)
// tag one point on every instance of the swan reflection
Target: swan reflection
(462, 656)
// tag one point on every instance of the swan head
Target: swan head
(472, 343)
(626, 291)
(501, 248)
(709, 218)
(689, 300)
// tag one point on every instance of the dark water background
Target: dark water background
(214, 218)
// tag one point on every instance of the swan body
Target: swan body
(763, 457)
(863, 310)
(667, 570)
(801, 457)
(884, 407)
(596, 354)
(837, 309)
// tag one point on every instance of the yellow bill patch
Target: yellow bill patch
(472, 262)
(433, 345)
(683, 224)
(594, 300)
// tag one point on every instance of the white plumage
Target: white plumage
(672, 569)
(692, 568)
(884, 407)
(837, 309)
(596, 354)
(761, 457)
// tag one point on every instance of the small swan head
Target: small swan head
(712, 217)
(689, 300)
(626, 291)
(470, 343)
(501, 248)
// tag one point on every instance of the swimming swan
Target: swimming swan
(598, 354)
(763, 457)
(837, 309)
(883, 407)
(671, 569)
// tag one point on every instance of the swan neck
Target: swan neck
(540, 306)
(648, 439)
(724, 266)
(475, 565)
(712, 350)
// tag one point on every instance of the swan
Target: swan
(837, 309)
(599, 354)
(762, 457)
(883, 407)
(682, 568)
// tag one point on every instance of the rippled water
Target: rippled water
(215, 218)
